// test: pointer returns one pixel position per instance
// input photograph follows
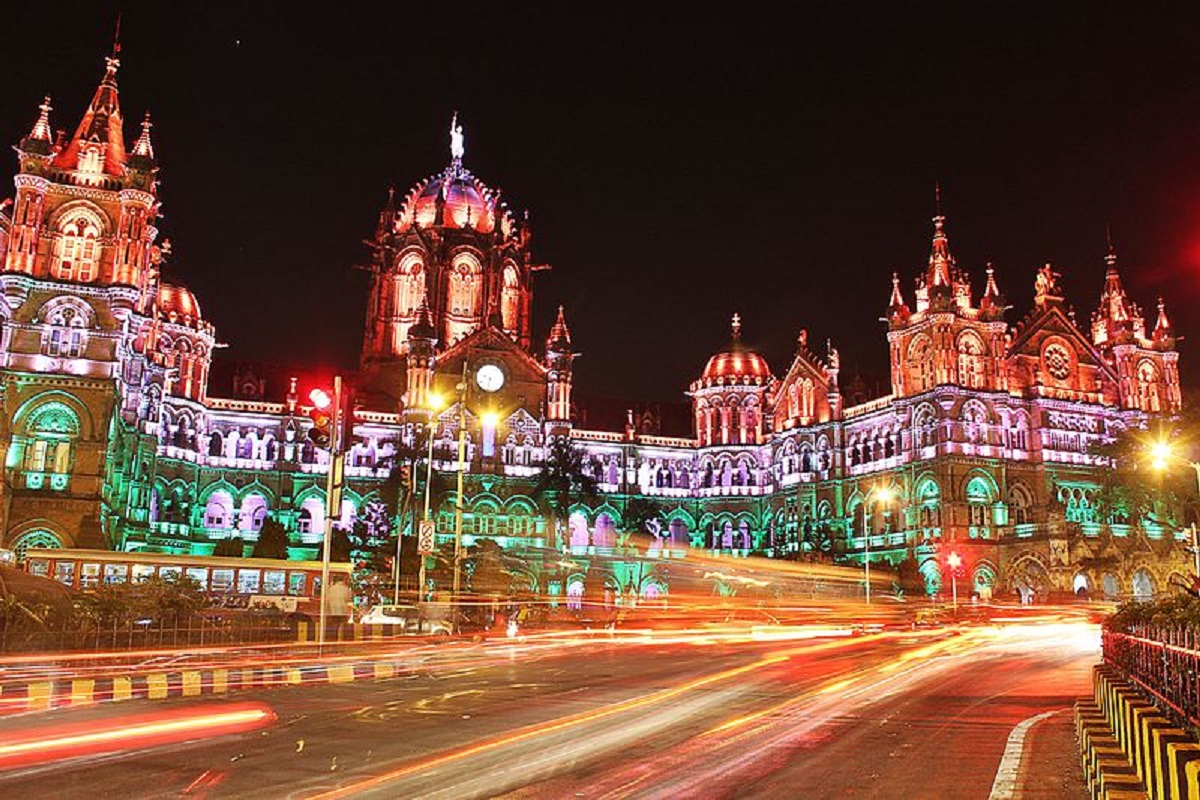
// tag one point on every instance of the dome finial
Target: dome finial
(736, 326)
(456, 139)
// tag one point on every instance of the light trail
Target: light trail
(557, 726)
(129, 732)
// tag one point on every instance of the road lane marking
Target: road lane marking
(1005, 785)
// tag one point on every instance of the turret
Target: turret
(559, 361)
(420, 361)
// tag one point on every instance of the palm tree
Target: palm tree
(564, 482)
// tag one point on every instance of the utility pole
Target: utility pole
(458, 497)
(435, 404)
(333, 493)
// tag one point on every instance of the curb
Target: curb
(1129, 749)
(77, 692)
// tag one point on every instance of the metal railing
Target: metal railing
(1162, 660)
(133, 635)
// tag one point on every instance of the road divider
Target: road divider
(1129, 748)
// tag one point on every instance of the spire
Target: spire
(941, 263)
(456, 141)
(1162, 328)
(560, 334)
(735, 327)
(423, 327)
(897, 301)
(991, 294)
(99, 142)
(41, 128)
(142, 147)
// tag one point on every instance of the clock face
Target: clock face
(490, 378)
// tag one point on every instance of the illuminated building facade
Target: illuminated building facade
(111, 437)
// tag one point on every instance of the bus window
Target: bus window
(142, 572)
(170, 573)
(200, 576)
(248, 581)
(39, 567)
(89, 577)
(273, 581)
(115, 573)
(64, 572)
(296, 581)
(222, 580)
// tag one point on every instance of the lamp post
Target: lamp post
(435, 404)
(462, 468)
(954, 560)
(883, 494)
(1161, 456)
(333, 483)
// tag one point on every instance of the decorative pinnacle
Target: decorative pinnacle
(143, 147)
(736, 326)
(1111, 258)
(456, 139)
(41, 128)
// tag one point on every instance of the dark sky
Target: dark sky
(678, 164)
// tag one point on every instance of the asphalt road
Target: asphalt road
(923, 714)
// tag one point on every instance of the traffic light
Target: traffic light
(321, 415)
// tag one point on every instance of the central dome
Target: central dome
(466, 202)
(736, 363)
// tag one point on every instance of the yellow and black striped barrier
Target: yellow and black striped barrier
(1130, 749)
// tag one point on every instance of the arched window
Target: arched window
(925, 426)
(78, 247)
(410, 285)
(254, 513)
(465, 298)
(970, 360)
(928, 495)
(920, 365)
(974, 421)
(1020, 504)
(51, 433)
(66, 332)
(979, 500)
(215, 444)
(39, 539)
(510, 299)
(218, 512)
(1148, 378)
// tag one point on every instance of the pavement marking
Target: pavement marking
(1005, 785)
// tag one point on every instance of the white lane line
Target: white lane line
(1005, 785)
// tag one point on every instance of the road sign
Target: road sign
(425, 537)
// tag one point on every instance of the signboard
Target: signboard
(425, 537)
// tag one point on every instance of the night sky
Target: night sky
(678, 164)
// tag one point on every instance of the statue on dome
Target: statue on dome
(456, 139)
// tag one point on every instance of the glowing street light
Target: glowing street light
(954, 560)
(436, 404)
(1162, 455)
(885, 495)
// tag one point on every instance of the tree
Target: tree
(489, 573)
(340, 546)
(272, 541)
(233, 547)
(638, 517)
(1132, 490)
(564, 481)
(909, 578)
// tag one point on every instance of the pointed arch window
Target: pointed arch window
(66, 332)
(1148, 378)
(410, 286)
(77, 248)
(970, 361)
(510, 299)
(920, 365)
(51, 434)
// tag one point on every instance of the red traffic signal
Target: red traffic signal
(321, 415)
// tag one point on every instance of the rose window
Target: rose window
(1058, 361)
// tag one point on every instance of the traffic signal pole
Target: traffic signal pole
(462, 467)
(332, 485)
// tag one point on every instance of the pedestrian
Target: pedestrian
(337, 606)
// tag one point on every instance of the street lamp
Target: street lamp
(1162, 455)
(954, 560)
(884, 495)
(436, 403)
